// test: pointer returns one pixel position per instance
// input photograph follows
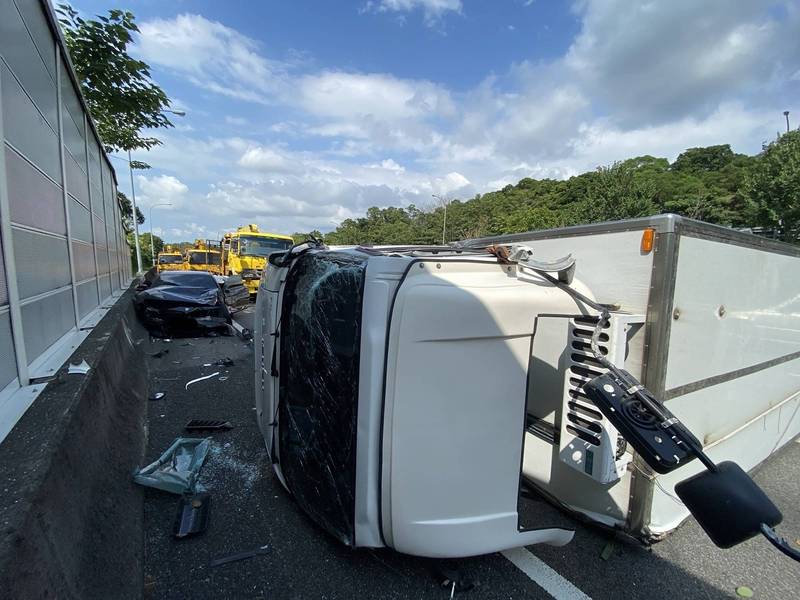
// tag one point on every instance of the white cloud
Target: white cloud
(432, 10)
(211, 56)
(160, 189)
(267, 159)
(657, 61)
(379, 97)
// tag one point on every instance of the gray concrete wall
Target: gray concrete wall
(62, 246)
(70, 515)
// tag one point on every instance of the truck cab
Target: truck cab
(204, 256)
(245, 253)
(169, 259)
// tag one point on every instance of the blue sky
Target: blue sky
(301, 114)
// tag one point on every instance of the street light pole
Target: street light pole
(786, 114)
(179, 113)
(152, 242)
(135, 220)
(444, 221)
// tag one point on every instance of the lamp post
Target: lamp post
(135, 220)
(786, 114)
(178, 113)
(444, 221)
(152, 242)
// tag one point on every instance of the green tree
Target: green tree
(126, 207)
(146, 248)
(774, 185)
(300, 237)
(122, 98)
(614, 193)
(710, 158)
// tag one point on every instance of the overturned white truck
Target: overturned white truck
(407, 395)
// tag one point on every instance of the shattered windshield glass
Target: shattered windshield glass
(262, 246)
(319, 356)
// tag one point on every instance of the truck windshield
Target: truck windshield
(262, 246)
(203, 258)
(170, 259)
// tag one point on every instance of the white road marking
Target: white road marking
(543, 576)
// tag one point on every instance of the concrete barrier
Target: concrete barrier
(71, 520)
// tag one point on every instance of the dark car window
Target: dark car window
(263, 246)
(186, 278)
(203, 258)
(174, 259)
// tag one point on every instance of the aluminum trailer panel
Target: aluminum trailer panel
(721, 346)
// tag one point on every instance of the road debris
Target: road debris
(80, 369)
(160, 353)
(188, 383)
(157, 396)
(202, 424)
(192, 515)
(240, 556)
(177, 469)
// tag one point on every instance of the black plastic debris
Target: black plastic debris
(239, 556)
(202, 425)
(157, 396)
(192, 515)
(453, 579)
(224, 362)
(183, 302)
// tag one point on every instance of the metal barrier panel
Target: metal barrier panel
(62, 245)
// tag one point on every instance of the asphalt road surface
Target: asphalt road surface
(251, 510)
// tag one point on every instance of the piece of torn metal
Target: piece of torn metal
(80, 369)
(239, 556)
(192, 515)
(188, 383)
(157, 396)
(177, 469)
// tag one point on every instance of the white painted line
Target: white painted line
(543, 576)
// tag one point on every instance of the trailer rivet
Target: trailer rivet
(676, 314)
(721, 311)
(438, 265)
(421, 265)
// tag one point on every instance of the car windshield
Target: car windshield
(187, 279)
(262, 246)
(170, 259)
(203, 258)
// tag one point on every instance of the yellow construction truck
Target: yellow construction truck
(169, 259)
(245, 252)
(204, 256)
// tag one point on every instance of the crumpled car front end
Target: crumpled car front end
(183, 303)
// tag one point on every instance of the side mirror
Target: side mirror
(728, 504)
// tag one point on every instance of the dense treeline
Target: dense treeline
(712, 184)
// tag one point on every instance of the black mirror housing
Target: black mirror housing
(728, 504)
